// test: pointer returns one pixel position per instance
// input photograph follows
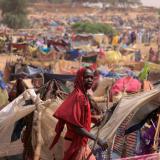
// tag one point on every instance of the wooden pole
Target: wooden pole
(158, 54)
(156, 137)
(109, 146)
(38, 116)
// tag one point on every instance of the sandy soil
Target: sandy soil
(66, 10)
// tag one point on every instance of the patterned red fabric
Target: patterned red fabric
(127, 84)
(154, 156)
(75, 110)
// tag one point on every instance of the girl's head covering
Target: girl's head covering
(79, 81)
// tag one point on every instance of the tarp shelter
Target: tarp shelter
(8, 117)
(18, 109)
(59, 77)
(66, 67)
(141, 104)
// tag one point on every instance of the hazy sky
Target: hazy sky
(155, 3)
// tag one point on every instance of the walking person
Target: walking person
(76, 115)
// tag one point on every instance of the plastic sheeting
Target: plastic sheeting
(126, 106)
(66, 67)
(126, 84)
(17, 110)
(8, 116)
(48, 123)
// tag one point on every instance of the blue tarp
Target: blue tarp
(54, 24)
(110, 74)
(44, 49)
(29, 71)
(2, 84)
(32, 71)
(73, 54)
(116, 75)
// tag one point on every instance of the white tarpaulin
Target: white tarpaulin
(17, 110)
(126, 106)
(8, 116)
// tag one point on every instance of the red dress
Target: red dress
(75, 110)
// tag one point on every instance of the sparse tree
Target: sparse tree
(14, 13)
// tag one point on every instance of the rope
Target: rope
(103, 122)
(156, 137)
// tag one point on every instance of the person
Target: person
(75, 113)
(147, 139)
(152, 55)
(139, 35)
(148, 134)
(138, 55)
(133, 37)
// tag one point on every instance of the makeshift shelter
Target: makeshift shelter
(111, 57)
(8, 116)
(66, 67)
(131, 110)
(90, 58)
(11, 144)
(83, 40)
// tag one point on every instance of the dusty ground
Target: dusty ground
(67, 10)
(47, 10)
(58, 10)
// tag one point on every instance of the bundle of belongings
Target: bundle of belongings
(125, 85)
(131, 85)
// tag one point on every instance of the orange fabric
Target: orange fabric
(115, 40)
(147, 86)
(82, 154)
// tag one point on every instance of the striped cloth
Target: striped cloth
(125, 146)
(100, 154)
(155, 156)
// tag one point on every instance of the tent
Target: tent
(131, 110)
(132, 103)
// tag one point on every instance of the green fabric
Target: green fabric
(144, 73)
(86, 64)
(89, 59)
(65, 89)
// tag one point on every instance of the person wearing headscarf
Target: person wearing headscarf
(75, 113)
